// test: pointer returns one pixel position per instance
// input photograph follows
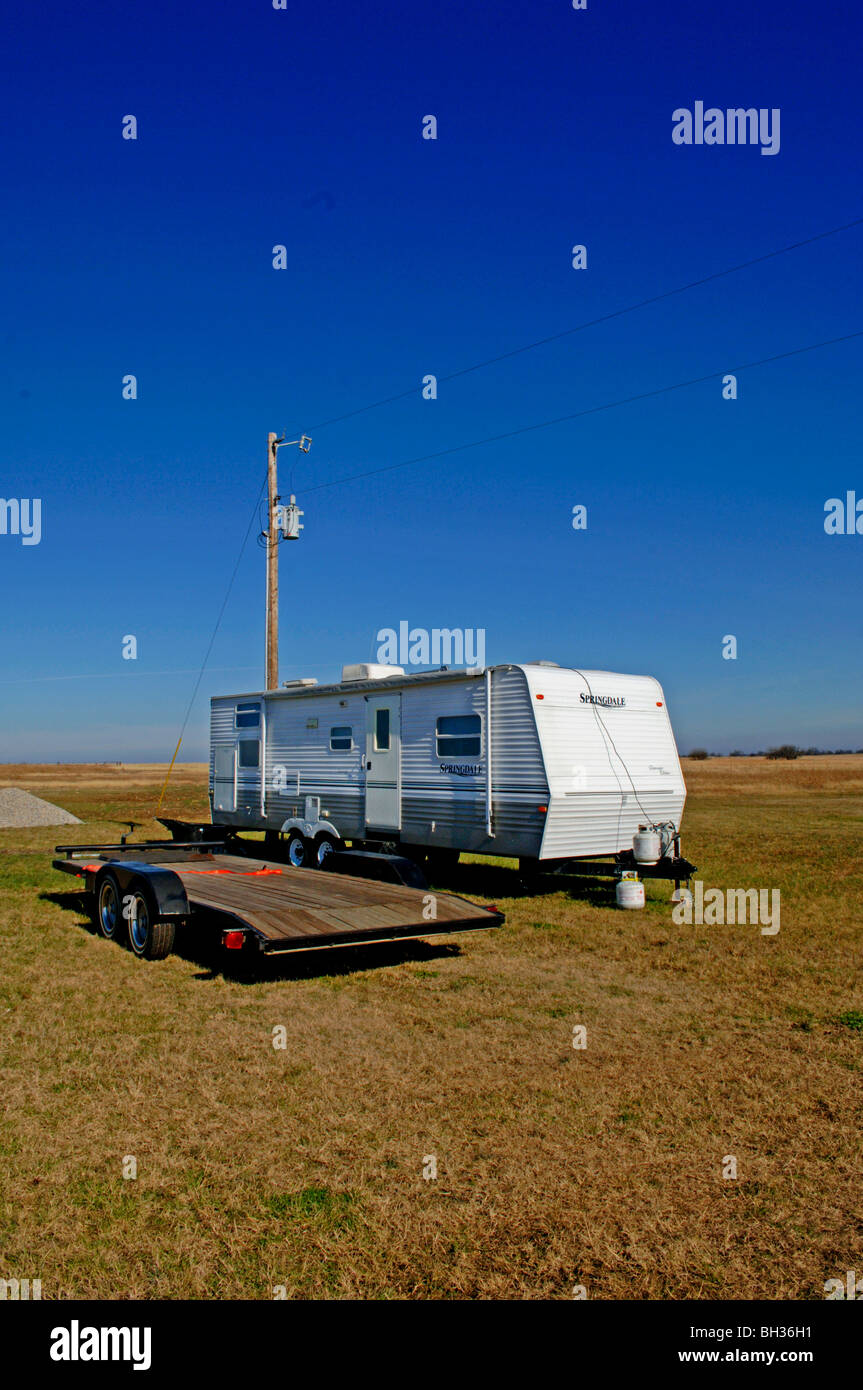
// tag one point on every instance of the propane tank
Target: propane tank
(629, 891)
(647, 846)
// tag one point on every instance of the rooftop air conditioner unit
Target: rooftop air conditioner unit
(365, 672)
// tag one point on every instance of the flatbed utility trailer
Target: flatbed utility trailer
(142, 892)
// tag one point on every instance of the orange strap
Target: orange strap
(237, 873)
(240, 873)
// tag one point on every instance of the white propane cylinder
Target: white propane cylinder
(647, 846)
(629, 892)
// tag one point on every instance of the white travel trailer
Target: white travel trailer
(534, 761)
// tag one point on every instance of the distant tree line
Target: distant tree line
(785, 750)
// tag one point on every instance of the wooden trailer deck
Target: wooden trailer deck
(286, 904)
(289, 908)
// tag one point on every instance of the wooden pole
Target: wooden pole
(272, 569)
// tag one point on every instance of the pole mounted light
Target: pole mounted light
(304, 443)
(288, 517)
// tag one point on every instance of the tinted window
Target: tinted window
(248, 716)
(341, 737)
(459, 736)
(382, 729)
(250, 752)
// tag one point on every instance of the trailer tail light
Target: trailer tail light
(540, 697)
(233, 940)
(659, 704)
(542, 809)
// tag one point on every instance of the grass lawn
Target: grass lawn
(303, 1168)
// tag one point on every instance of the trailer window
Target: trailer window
(459, 736)
(247, 716)
(382, 729)
(341, 738)
(250, 752)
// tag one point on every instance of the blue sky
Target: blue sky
(406, 256)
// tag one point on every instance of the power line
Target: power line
(515, 352)
(218, 622)
(493, 439)
(603, 318)
(579, 414)
(119, 675)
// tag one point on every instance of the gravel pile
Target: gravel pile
(22, 808)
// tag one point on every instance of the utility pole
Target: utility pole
(272, 682)
(284, 521)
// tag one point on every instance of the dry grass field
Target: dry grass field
(303, 1168)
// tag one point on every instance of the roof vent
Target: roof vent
(303, 680)
(545, 663)
(365, 672)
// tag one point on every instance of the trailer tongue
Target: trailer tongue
(148, 889)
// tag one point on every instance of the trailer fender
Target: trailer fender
(311, 828)
(187, 831)
(166, 888)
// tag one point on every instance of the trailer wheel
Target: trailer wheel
(149, 938)
(324, 844)
(299, 850)
(108, 911)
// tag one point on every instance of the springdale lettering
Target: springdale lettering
(610, 701)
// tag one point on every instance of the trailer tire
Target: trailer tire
(298, 851)
(323, 845)
(149, 938)
(108, 908)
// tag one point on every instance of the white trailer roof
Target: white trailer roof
(547, 673)
(343, 687)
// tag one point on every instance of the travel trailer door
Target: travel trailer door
(383, 746)
(225, 777)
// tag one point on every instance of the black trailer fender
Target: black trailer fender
(189, 831)
(167, 893)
